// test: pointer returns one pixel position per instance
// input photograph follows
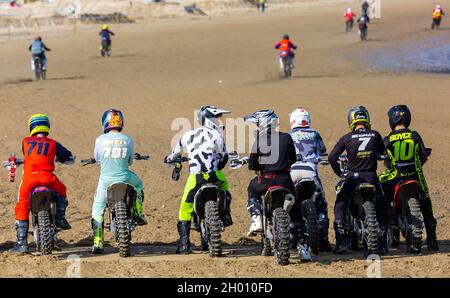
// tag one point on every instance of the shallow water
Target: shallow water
(431, 55)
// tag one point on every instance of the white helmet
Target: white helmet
(300, 118)
(208, 116)
(349, 10)
(438, 6)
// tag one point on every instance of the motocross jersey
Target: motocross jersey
(407, 155)
(285, 45)
(308, 144)
(40, 152)
(362, 146)
(114, 152)
(273, 153)
(106, 34)
(38, 47)
(349, 16)
(205, 148)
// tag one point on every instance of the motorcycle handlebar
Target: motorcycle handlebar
(136, 156)
(179, 159)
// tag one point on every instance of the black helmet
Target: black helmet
(399, 115)
(286, 36)
(358, 115)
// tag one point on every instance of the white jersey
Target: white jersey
(205, 148)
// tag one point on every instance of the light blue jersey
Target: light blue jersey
(114, 152)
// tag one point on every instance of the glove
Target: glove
(167, 159)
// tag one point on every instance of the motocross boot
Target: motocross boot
(430, 227)
(22, 233)
(139, 216)
(302, 244)
(429, 221)
(61, 221)
(226, 217)
(382, 242)
(341, 238)
(97, 229)
(323, 233)
(184, 229)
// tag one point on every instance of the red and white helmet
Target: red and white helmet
(300, 118)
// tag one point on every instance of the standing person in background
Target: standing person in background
(365, 10)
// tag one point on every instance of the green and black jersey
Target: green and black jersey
(407, 154)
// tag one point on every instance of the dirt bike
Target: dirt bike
(209, 206)
(105, 47)
(409, 217)
(39, 72)
(43, 208)
(363, 33)
(276, 204)
(436, 23)
(360, 217)
(309, 193)
(286, 60)
(349, 25)
(121, 198)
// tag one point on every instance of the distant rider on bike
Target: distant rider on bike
(114, 151)
(39, 163)
(207, 153)
(349, 16)
(363, 146)
(105, 34)
(285, 45)
(37, 49)
(438, 11)
(407, 156)
(309, 147)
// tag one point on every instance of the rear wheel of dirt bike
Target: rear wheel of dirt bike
(123, 232)
(37, 70)
(45, 233)
(312, 225)
(266, 247)
(281, 223)
(213, 227)
(43, 74)
(415, 226)
(286, 67)
(370, 241)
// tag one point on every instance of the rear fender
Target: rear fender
(122, 192)
(43, 199)
(277, 197)
(363, 192)
(403, 191)
(306, 189)
(207, 192)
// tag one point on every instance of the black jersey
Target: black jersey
(275, 154)
(406, 148)
(362, 146)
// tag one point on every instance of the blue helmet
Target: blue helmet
(112, 119)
